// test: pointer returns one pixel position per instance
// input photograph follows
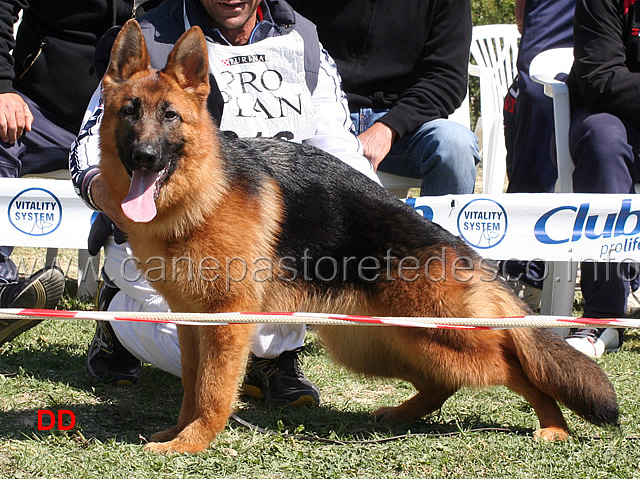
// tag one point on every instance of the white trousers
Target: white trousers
(157, 343)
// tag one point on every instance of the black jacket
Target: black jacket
(410, 56)
(52, 60)
(606, 72)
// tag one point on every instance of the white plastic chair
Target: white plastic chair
(559, 286)
(494, 50)
(543, 69)
(398, 185)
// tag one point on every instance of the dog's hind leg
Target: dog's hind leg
(553, 426)
(420, 405)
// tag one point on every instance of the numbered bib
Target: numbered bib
(263, 88)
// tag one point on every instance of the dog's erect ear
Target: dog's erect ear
(188, 63)
(128, 55)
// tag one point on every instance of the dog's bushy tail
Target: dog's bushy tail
(560, 371)
(567, 375)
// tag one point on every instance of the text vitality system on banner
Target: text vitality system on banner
(554, 227)
(42, 212)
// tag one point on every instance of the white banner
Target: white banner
(42, 212)
(553, 227)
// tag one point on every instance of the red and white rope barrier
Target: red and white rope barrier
(202, 319)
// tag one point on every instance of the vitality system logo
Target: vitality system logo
(35, 212)
(483, 223)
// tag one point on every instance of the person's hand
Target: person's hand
(103, 200)
(15, 117)
(377, 141)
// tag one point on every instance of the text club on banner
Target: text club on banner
(42, 212)
(554, 227)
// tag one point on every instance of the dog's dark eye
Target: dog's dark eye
(170, 115)
(128, 110)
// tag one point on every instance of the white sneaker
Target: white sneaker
(595, 341)
(633, 305)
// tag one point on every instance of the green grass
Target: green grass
(44, 369)
(476, 434)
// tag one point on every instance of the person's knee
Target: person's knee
(9, 161)
(449, 134)
(449, 142)
(449, 154)
(602, 147)
(597, 136)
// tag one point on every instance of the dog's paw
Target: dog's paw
(175, 446)
(392, 414)
(551, 434)
(164, 436)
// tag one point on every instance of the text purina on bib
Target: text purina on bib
(264, 89)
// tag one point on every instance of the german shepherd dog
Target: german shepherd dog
(311, 234)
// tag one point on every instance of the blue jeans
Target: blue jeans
(441, 152)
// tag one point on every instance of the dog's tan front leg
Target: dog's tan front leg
(189, 351)
(209, 394)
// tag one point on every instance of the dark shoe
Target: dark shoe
(106, 292)
(42, 290)
(280, 381)
(109, 360)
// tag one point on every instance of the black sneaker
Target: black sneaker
(280, 381)
(109, 360)
(42, 290)
(106, 292)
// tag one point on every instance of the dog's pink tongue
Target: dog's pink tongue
(140, 205)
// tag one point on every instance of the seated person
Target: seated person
(604, 141)
(403, 79)
(528, 124)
